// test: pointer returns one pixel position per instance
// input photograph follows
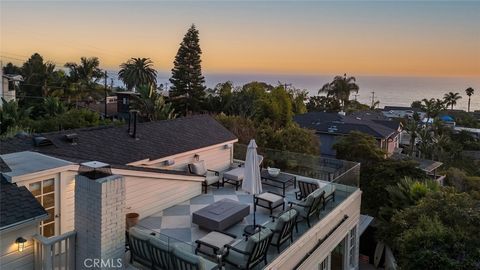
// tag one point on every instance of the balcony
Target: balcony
(174, 224)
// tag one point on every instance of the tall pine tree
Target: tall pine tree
(188, 84)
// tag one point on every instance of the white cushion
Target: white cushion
(270, 197)
(235, 174)
(210, 179)
(199, 168)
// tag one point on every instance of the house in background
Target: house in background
(330, 127)
(8, 85)
(402, 112)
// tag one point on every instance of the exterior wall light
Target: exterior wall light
(169, 162)
(196, 157)
(228, 146)
(21, 243)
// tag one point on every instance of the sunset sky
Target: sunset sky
(356, 37)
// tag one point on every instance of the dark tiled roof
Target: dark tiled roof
(113, 145)
(334, 123)
(17, 205)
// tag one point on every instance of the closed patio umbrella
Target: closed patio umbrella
(251, 180)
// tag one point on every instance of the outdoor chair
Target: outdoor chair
(236, 174)
(184, 259)
(329, 193)
(305, 186)
(246, 254)
(282, 227)
(161, 254)
(140, 247)
(310, 207)
(211, 176)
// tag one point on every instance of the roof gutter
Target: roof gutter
(24, 222)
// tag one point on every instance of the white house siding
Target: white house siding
(67, 201)
(216, 157)
(146, 196)
(293, 255)
(10, 257)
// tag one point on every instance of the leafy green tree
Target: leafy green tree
(417, 104)
(440, 232)
(340, 88)
(407, 192)
(12, 115)
(298, 97)
(245, 100)
(469, 91)
(138, 71)
(359, 147)
(188, 89)
(152, 106)
(323, 104)
(36, 74)
(53, 106)
(450, 99)
(376, 177)
(276, 106)
(84, 78)
(10, 68)
(220, 98)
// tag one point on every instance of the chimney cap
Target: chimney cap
(95, 164)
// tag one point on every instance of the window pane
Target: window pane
(35, 188)
(51, 215)
(48, 200)
(49, 230)
(48, 185)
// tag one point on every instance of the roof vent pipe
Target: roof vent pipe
(133, 134)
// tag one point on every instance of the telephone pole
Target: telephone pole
(373, 98)
(106, 94)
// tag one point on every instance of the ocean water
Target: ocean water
(389, 90)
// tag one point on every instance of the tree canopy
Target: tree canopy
(137, 72)
(188, 83)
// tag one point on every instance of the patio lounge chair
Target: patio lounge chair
(310, 207)
(235, 175)
(211, 176)
(305, 186)
(282, 227)
(183, 258)
(247, 254)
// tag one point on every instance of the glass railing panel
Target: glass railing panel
(313, 166)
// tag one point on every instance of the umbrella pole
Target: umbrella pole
(254, 212)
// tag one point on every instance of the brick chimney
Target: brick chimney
(99, 219)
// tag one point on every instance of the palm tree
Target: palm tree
(340, 88)
(412, 128)
(84, 78)
(469, 91)
(138, 71)
(12, 115)
(432, 107)
(152, 106)
(451, 98)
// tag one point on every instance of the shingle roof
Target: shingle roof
(17, 205)
(113, 145)
(334, 123)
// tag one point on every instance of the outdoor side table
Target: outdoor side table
(213, 244)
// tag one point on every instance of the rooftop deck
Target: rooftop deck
(174, 224)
